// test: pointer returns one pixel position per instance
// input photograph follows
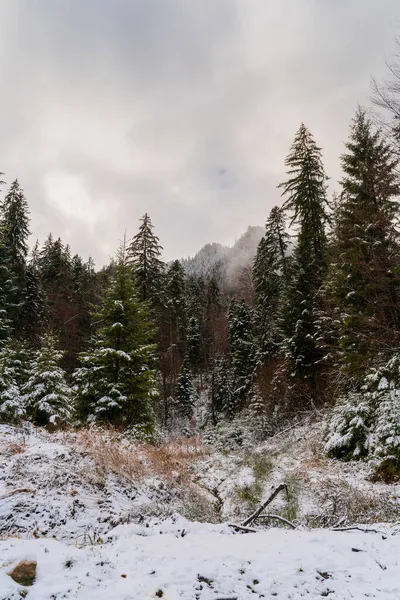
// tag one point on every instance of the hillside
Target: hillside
(223, 261)
(102, 515)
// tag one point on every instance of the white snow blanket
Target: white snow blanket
(178, 559)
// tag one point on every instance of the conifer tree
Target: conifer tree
(242, 351)
(15, 225)
(185, 392)
(305, 189)
(222, 390)
(363, 283)
(33, 306)
(12, 407)
(7, 294)
(46, 392)
(269, 276)
(144, 253)
(116, 383)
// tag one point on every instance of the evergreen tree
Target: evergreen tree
(33, 307)
(116, 383)
(185, 392)
(193, 344)
(363, 283)
(306, 192)
(144, 253)
(269, 275)
(242, 351)
(12, 407)
(222, 390)
(15, 226)
(46, 392)
(7, 294)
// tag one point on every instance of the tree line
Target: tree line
(139, 342)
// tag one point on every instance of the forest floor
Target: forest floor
(106, 518)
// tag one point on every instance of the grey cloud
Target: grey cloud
(181, 108)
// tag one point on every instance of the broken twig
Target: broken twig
(259, 510)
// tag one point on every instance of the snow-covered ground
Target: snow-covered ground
(85, 508)
(208, 562)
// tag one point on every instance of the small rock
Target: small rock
(24, 573)
(54, 424)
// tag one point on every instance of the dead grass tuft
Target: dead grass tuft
(172, 461)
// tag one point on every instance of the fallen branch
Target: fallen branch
(19, 491)
(242, 528)
(278, 518)
(258, 512)
(358, 529)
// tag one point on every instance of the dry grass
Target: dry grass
(172, 461)
(16, 448)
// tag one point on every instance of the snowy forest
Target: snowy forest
(226, 425)
(311, 322)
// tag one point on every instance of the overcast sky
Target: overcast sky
(184, 109)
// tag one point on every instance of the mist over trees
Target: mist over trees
(296, 316)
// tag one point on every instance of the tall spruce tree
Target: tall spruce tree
(144, 253)
(185, 392)
(14, 223)
(305, 189)
(270, 269)
(33, 305)
(242, 352)
(363, 283)
(116, 382)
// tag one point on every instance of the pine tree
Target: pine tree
(222, 390)
(116, 383)
(33, 306)
(144, 253)
(306, 192)
(46, 392)
(15, 226)
(12, 406)
(185, 392)
(269, 276)
(363, 283)
(242, 351)
(7, 294)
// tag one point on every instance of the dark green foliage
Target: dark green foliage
(144, 253)
(33, 306)
(242, 351)
(15, 225)
(185, 393)
(306, 192)
(116, 383)
(270, 271)
(364, 274)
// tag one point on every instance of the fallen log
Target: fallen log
(259, 510)
(277, 518)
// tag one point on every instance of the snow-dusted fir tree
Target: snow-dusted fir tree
(116, 382)
(12, 405)
(242, 351)
(46, 392)
(269, 276)
(305, 190)
(185, 394)
(15, 224)
(363, 284)
(144, 253)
